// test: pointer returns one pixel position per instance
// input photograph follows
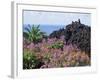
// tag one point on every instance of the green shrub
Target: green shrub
(56, 45)
(30, 61)
(33, 33)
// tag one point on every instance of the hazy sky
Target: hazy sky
(55, 18)
(50, 21)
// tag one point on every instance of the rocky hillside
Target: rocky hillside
(76, 33)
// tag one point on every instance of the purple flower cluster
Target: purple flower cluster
(69, 56)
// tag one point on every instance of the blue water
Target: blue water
(48, 28)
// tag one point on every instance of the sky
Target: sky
(55, 19)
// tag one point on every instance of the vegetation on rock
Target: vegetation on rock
(66, 47)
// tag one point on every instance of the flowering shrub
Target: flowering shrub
(66, 59)
(66, 47)
(53, 54)
(56, 45)
(30, 60)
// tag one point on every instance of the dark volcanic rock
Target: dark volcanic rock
(76, 33)
(79, 34)
(57, 34)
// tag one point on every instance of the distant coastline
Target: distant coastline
(47, 28)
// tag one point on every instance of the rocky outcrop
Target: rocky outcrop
(76, 33)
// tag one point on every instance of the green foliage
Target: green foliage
(56, 45)
(47, 56)
(30, 61)
(33, 33)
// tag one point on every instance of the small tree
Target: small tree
(33, 33)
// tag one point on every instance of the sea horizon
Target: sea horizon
(46, 28)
